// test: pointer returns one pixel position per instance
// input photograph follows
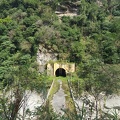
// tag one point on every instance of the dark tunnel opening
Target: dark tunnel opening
(60, 72)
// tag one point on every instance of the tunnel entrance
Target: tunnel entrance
(60, 72)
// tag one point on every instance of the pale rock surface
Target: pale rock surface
(31, 101)
(44, 56)
(109, 105)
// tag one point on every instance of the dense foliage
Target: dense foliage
(91, 40)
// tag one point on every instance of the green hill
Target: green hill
(86, 32)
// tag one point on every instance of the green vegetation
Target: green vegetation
(54, 89)
(69, 101)
(91, 40)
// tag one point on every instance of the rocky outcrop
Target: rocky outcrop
(67, 8)
(110, 105)
(44, 56)
(30, 101)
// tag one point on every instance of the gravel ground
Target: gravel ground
(58, 101)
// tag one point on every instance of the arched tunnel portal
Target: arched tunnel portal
(60, 72)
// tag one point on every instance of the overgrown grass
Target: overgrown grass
(54, 89)
(69, 101)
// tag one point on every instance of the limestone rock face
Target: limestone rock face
(68, 8)
(107, 104)
(44, 56)
(30, 101)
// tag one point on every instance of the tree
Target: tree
(13, 95)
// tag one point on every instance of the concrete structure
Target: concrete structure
(60, 69)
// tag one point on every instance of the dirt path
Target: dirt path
(58, 101)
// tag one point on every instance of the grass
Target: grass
(70, 107)
(55, 86)
(69, 101)
(54, 89)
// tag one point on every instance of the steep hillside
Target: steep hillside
(86, 32)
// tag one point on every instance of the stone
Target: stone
(43, 57)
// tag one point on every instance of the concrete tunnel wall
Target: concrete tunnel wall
(54, 69)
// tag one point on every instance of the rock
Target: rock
(62, 8)
(112, 104)
(108, 106)
(67, 8)
(44, 56)
(31, 100)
